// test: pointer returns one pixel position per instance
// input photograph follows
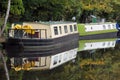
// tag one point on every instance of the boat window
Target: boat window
(70, 55)
(104, 27)
(60, 29)
(74, 54)
(71, 29)
(113, 43)
(65, 28)
(91, 28)
(109, 27)
(55, 30)
(60, 57)
(75, 28)
(36, 35)
(55, 59)
(103, 44)
(113, 26)
(65, 57)
(108, 43)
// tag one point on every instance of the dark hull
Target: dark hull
(118, 34)
(40, 47)
(99, 36)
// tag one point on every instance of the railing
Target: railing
(28, 33)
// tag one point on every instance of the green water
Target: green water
(94, 64)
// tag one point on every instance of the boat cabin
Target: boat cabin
(43, 30)
(99, 26)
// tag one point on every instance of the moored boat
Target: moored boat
(39, 37)
(97, 28)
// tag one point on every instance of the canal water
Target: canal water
(96, 59)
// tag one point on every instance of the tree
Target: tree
(16, 9)
(96, 7)
(1, 32)
(6, 18)
(115, 14)
(54, 10)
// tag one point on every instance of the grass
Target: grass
(81, 30)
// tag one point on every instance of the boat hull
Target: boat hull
(40, 47)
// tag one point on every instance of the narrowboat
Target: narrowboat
(41, 37)
(97, 28)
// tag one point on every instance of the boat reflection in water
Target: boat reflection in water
(96, 44)
(44, 62)
(40, 61)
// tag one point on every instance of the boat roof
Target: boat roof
(100, 23)
(52, 22)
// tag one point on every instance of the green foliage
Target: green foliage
(51, 9)
(16, 7)
(102, 8)
(45, 10)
